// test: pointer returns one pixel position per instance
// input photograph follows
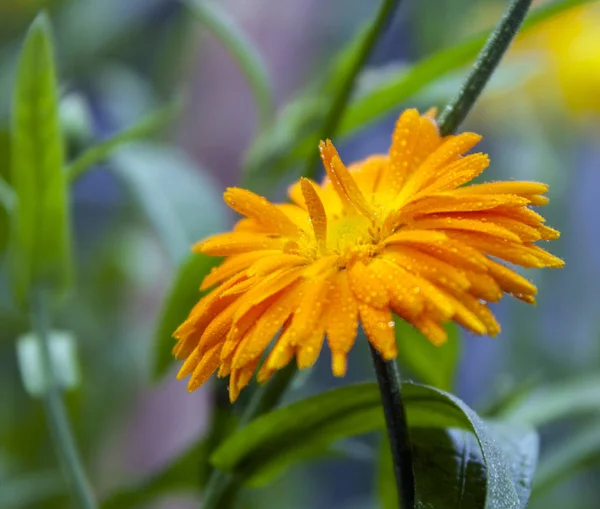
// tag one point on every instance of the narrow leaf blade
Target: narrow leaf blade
(41, 250)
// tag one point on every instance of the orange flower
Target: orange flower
(394, 233)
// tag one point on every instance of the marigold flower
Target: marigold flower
(395, 233)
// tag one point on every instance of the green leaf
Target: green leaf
(432, 365)
(448, 466)
(278, 439)
(520, 445)
(6, 192)
(580, 451)
(180, 201)
(41, 251)
(391, 94)
(563, 400)
(180, 299)
(103, 150)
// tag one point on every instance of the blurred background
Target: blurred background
(136, 214)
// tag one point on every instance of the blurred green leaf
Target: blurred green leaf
(563, 400)
(6, 192)
(388, 95)
(31, 490)
(180, 201)
(103, 150)
(580, 451)
(276, 440)
(433, 365)
(180, 299)
(448, 466)
(520, 445)
(247, 57)
(41, 250)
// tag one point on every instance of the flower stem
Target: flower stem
(60, 429)
(487, 61)
(222, 489)
(388, 379)
(340, 101)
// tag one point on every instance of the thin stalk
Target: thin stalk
(247, 57)
(222, 489)
(342, 96)
(60, 429)
(388, 379)
(487, 61)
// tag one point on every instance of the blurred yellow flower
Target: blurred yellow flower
(572, 43)
(395, 233)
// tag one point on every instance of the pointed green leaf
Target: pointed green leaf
(282, 437)
(432, 365)
(554, 402)
(180, 299)
(40, 251)
(581, 450)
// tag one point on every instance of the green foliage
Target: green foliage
(449, 470)
(180, 299)
(180, 201)
(563, 400)
(382, 99)
(581, 450)
(102, 151)
(5, 191)
(41, 251)
(296, 432)
(433, 365)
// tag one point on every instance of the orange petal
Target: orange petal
(205, 368)
(460, 223)
(431, 329)
(310, 348)
(341, 322)
(315, 208)
(226, 244)
(458, 173)
(435, 165)
(231, 266)
(274, 262)
(268, 286)
(367, 285)
(449, 202)
(520, 188)
(380, 329)
(429, 267)
(263, 331)
(259, 208)
(404, 140)
(343, 182)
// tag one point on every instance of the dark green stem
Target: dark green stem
(222, 489)
(58, 423)
(487, 61)
(342, 96)
(388, 379)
